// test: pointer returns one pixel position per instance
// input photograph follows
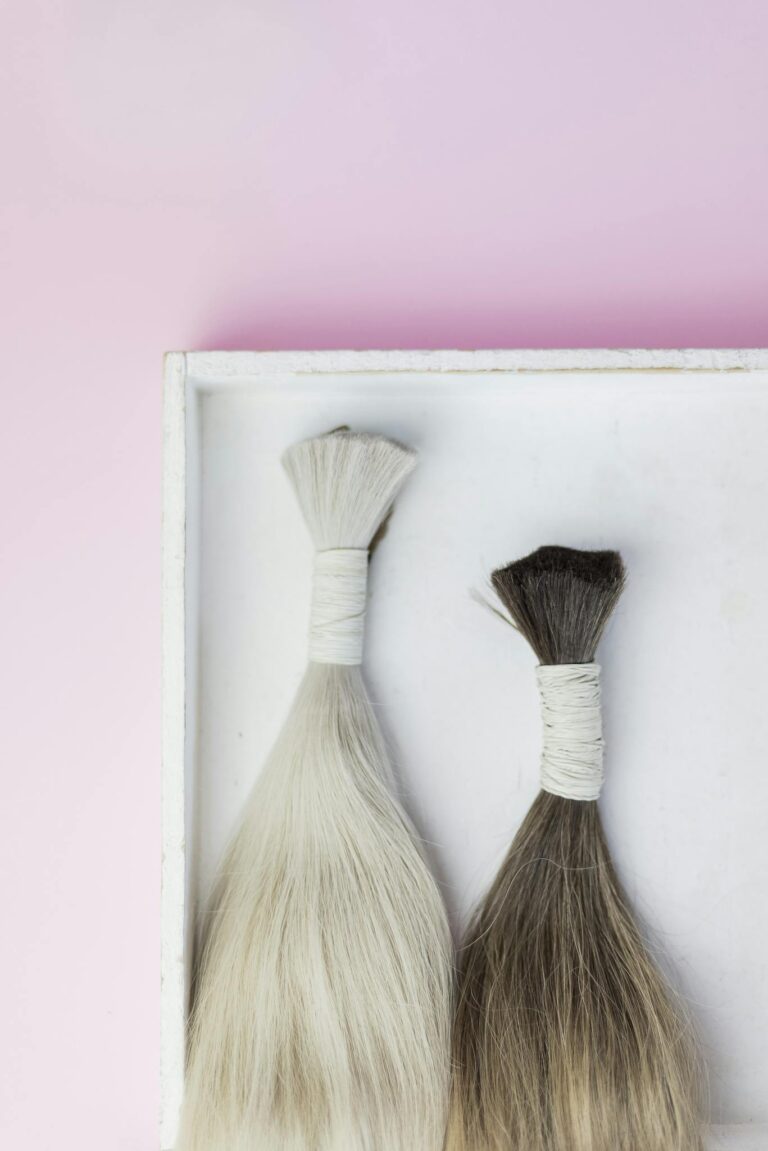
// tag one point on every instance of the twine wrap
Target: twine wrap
(572, 747)
(337, 620)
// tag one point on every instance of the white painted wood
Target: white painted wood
(741, 1137)
(213, 369)
(173, 967)
(237, 411)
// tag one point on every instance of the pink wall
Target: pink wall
(286, 174)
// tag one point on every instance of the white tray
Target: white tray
(660, 454)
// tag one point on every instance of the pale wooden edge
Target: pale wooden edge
(173, 994)
(209, 369)
(738, 1137)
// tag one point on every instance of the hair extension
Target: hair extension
(566, 1036)
(322, 1011)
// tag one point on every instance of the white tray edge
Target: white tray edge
(739, 1137)
(173, 868)
(214, 368)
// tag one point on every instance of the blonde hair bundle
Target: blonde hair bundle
(566, 1036)
(321, 1017)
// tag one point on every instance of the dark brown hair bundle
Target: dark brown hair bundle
(566, 1036)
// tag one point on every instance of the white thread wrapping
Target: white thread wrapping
(337, 620)
(572, 746)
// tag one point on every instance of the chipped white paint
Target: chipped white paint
(187, 376)
(212, 369)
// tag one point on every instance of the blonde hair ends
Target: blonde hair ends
(322, 1011)
(566, 1036)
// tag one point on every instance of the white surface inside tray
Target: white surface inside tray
(670, 468)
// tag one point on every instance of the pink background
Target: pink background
(286, 174)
